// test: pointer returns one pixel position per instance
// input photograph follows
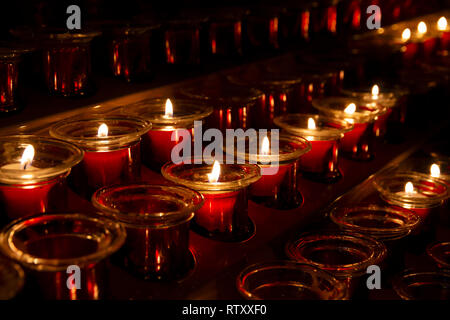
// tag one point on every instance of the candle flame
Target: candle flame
(102, 131)
(169, 109)
(375, 90)
(265, 146)
(409, 187)
(215, 172)
(442, 24)
(311, 124)
(406, 34)
(27, 156)
(422, 28)
(435, 171)
(350, 109)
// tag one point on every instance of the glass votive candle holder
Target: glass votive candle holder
(182, 41)
(324, 16)
(417, 192)
(170, 119)
(33, 173)
(288, 280)
(12, 279)
(262, 29)
(67, 62)
(321, 162)
(358, 143)
(224, 215)
(156, 219)
(111, 147)
(278, 186)
(234, 106)
(128, 49)
(345, 255)
(423, 285)
(53, 247)
(387, 224)
(379, 222)
(279, 91)
(11, 98)
(225, 33)
(440, 253)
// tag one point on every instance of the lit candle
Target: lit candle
(356, 143)
(435, 171)
(33, 172)
(224, 215)
(374, 99)
(112, 149)
(444, 32)
(324, 134)
(278, 159)
(416, 192)
(170, 120)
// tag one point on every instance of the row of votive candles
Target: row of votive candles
(112, 146)
(155, 245)
(376, 230)
(67, 56)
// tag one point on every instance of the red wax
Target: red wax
(158, 145)
(223, 212)
(380, 125)
(105, 168)
(321, 158)
(351, 139)
(410, 52)
(21, 201)
(445, 40)
(269, 185)
(429, 46)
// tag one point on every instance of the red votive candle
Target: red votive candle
(10, 80)
(358, 143)
(112, 149)
(182, 41)
(170, 119)
(157, 221)
(225, 33)
(262, 29)
(321, 162)
(277, 156)
(417, 192)
(278, 88)
(67, 62)
(127, 47)
(224, 215)
(51, 248)
(234, 106)
(33, 173)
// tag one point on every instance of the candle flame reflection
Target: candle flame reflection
(27, 156)
(409, 187)
(442, 24)
(435, 171)
(169, 109)
(265, 146)
(213, 177)
(406, 34)
(102, 131)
